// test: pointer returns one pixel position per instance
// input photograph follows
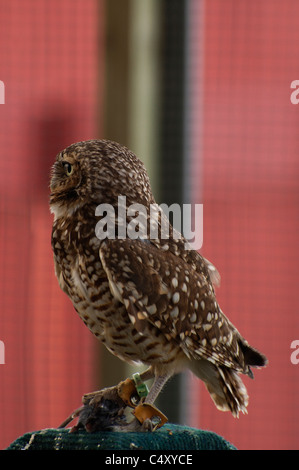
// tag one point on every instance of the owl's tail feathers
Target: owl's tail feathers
(229, 393)
(224, 385)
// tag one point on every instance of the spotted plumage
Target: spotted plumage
(148, 300)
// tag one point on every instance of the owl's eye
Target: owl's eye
(68, 168)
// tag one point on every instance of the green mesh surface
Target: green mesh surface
(169, 437)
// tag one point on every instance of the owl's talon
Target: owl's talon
(128, 393)
(131, 391)
(145, 411)
(148, 426)
(137, 426)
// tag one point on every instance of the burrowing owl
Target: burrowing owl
(149, 300)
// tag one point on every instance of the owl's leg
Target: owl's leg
(156, 388)
(132, 390)
(148, 417)
(147, 374)
(159, 382)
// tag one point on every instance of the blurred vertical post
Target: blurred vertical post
(144, 85)
(171, 143)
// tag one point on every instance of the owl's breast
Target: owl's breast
(81, 275)
(77, 263)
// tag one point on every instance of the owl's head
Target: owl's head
(96, 172)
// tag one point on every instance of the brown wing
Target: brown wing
(158, 287)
